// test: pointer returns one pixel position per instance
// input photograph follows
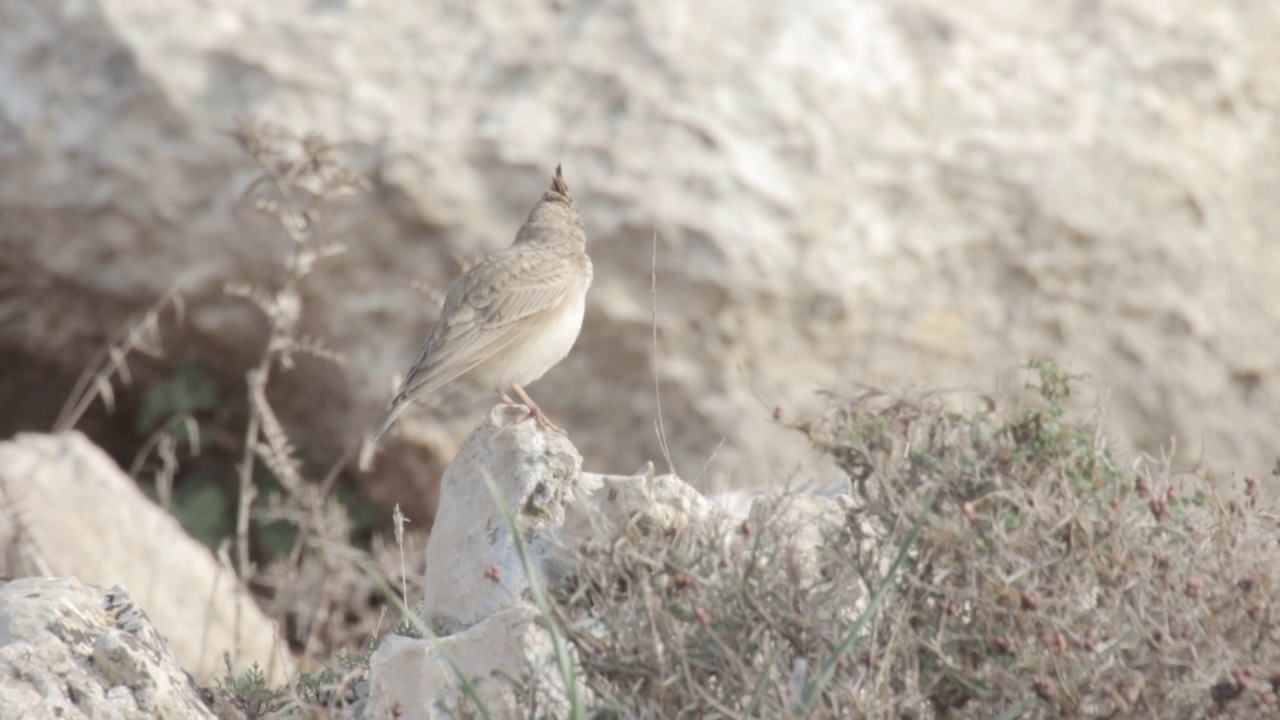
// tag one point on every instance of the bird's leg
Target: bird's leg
(535, 412)
(505, 400)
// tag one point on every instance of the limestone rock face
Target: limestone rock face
(842, 191)
(66, 509)
(70, 650)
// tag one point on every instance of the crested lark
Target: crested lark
(512, 316)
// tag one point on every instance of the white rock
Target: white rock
(641, 502)
(477, 599)
(473, 570)
(69, 510)
(418, 678)
(69, 650)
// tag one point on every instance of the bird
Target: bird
(511, 317)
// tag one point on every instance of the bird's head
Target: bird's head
(555, 214)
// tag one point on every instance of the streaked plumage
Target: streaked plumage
(512, 316)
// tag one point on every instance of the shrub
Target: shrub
(1047, 580)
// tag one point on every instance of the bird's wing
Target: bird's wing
(489, 309)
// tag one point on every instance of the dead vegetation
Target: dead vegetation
(1046, 580)
(999, 563)
(305, 544)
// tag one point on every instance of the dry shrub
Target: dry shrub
(313, 580)
(296, 539)
(1046, 581)
(225, 463)
(295, 536)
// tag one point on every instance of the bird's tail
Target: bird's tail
(370, 445)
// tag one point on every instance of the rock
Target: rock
(415, 679)
(637, 503)
(887, 193)
(69, 510)
(477, 592)
(739, 504)
(480, 615)
(473, 569)
(70, 650)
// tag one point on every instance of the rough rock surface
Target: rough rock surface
(637, 503)
(473, 570)
(67, 509)
(69, 650)
(476, 588)
(414, 679)
(843, 191)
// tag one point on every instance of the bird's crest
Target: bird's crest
(559, 189)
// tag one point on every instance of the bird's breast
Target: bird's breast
(543, 346)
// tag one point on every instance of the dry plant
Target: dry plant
(1025, 573)
(300, 178)
(317, 588)
(659, 426)
(140, 335)
(325, 591)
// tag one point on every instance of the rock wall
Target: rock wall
(868, 191)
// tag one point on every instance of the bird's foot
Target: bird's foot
(535, 412)
(543, 422)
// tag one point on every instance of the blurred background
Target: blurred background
(885, 192)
